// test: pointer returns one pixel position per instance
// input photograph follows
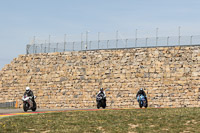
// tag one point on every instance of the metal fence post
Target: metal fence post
(49, 42)
(45, 49)
(167, 40)
(136, 38)
(99, 44)
(57, 47)
(45, 45)
(73, 45)
(156, 36)
(98, 39)
(90, 44)
(81, 41)
(86, 44)
(126, 42)
(64, 46)
(146, 41)
(191, 40)
(64, 41)
(27, 48)
(35, 49)
(41, 48)
(116, 38)
(34, 44)
(179, 35)
(156, 41)
(81, 45)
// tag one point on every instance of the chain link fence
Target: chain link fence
(113, 44)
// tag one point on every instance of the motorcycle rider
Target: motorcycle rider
(29, 93)
(141, 92)
(102, 92)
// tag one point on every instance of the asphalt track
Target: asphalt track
(15, 112)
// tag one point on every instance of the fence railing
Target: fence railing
(7, 104)
(113, 44)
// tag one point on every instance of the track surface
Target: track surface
(14, 112)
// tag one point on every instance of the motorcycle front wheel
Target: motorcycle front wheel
(98, 105)
(25, 107)
(140, 104)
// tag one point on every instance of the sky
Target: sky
(21, 20)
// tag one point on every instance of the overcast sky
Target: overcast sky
(20, 20)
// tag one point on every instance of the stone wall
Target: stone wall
(170, 76)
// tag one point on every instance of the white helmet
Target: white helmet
(27, 88)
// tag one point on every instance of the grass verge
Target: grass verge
(128, 120)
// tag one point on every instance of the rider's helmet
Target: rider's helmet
(141, 89)
(27, 89)
(101, 89)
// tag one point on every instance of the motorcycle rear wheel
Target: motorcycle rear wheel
(104, 105)
(146, 105)
(34, 107)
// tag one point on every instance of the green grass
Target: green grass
(172, 120)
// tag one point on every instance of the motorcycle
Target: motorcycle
(101, 101)
(28, 104)
(142, 101)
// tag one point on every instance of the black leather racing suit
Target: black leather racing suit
(30, 94)
(102, 92)
(141, 92)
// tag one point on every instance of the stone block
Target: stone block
(164, 71)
